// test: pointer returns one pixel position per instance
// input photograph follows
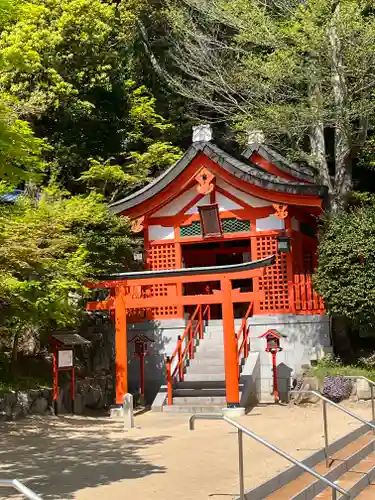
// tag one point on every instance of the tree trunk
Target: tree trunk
(341, 339)
(343, 129)
(13, 362)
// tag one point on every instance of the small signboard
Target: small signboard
(65, 358)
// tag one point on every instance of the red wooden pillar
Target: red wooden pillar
(230, 346)
(121, 345)
(275, 379)
(290, 266)
(55, 379)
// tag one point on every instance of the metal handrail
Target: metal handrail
(241, 429)
(371, 383)
(325, 421)
(17, 485)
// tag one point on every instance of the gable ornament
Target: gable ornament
(137, 225)
(204, 179)
(281, 211)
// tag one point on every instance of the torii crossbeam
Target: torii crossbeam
(124, 300)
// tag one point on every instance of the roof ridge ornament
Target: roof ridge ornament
(202, 133)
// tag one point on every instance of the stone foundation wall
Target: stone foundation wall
(95, 393)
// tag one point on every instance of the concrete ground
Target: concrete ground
(94, 459)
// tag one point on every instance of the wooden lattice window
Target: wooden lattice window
(161, 257)
(275, 281)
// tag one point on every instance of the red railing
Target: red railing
(185, 347)
(306, 300)
(242, 337)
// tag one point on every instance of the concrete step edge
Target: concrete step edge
(284, 478)
(317, 486)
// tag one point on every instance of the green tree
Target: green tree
(47, 250)
(300, 71)
(346, 274)
(69, 63)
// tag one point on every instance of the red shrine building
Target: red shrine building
(211, 209)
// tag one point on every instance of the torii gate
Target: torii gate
(123, 300)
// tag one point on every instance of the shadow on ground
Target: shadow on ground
(60, 456)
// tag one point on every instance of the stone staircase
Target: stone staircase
(351, 466)
(203, 388)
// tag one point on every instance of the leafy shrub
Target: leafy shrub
(337, 388)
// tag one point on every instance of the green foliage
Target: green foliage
(48, 249)
(346, 273)
(329, 366)
(70, 64)
(299, 71)
(153, 154)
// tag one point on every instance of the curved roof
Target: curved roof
(191, 271)
(245, 171)
(300, 172)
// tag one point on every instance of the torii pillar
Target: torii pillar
(226, 296)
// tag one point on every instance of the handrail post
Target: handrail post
(169, 382)
(200, 322)
(246, 347)
(372, 404)
(191, 340)
(325, 422)
(240, 464)
(180, 363)
(271, 447)
(334, 494)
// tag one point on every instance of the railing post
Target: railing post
(246, 334)
(169, 382)
(180, 361)
(334, 494)
(372, 404)
(240, 464)
(200, 322)
(191, 341)
(238, 355)
(326, 446)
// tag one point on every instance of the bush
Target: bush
(337, 388)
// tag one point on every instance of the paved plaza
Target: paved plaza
(94, 459)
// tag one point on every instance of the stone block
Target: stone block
(363, 389)
(79, 404)
(40, 406)
(34, 394)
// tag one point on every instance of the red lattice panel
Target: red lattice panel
(163, 257)
(275, 281)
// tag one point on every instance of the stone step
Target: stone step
(199, 384)
(199, 392)
(207, 350)
(191, 409)
(205, 377)
(356, 479)
(206, 368)
(368, 493)
(203, 360)
(306, 487)
(200, 400)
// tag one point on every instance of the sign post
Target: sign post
(63, 361)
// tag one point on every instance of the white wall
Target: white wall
(160, 233)
(269, 223)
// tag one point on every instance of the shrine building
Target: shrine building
(211, 209)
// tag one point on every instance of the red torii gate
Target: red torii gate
(123, 300)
